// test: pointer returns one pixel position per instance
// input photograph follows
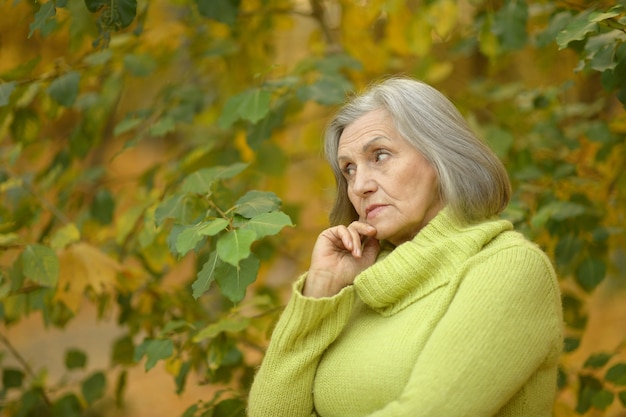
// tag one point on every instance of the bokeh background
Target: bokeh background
(151, 151)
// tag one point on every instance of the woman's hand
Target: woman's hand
(339, 255)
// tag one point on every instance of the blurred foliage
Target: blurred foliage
(147, 152)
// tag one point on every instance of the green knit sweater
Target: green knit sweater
(459, 321)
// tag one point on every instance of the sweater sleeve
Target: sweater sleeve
(504, 322)
(283, 386)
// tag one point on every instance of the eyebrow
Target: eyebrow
(366, 147)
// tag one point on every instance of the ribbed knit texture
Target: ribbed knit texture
(460, 321)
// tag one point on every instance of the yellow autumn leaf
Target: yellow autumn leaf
(438, 72)
(488, 41)
(420, 37)
(64, 236)
(162, 30)
(82, 267)
(356, 15)
(397, 31)
(250, 6)
(317, 42)
(126, 223)
(173, 365)
(443, 16)
(283, 22)
(241, 144)
(145, 303)
(618, 125)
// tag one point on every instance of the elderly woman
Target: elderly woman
(418, 301)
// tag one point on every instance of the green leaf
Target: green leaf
(12, 378)
(617, 374)
(510, 25)
(500, 140)
(588, 387)
(558, 22)
(191, 411)
(235, 245)
(201, 181)
(126, 125)
(328, 90)
(173, 326)
(67, 406)
(26, 126)
(140, 65)
(103, 206)
(251, 105)
(596, 16)
(64, 89)
(40, 264)
(163, 126)
(601, 50)
(230, 113)
(45, 20)
(590, 273)
(267, 224)
(574, 313)
(6, 89)
(622, 397)
(93, 387)
(180, 207)
(120, 388)
(121, 12)
(600, 132)
(206, 275)
(229, 325)
(576, 30)
(233, 280)
(189, 238)
(254, 105)
(557, 210)
(181, 378)
(232, 407)
(602, 399)
(75, 359)
(155, 350)
(98, 58)
(256, 202)
(22, 70)
(333, 64)
(598, 360)
(567, 248)
(224, 11)
(259, 133)
(123, 351)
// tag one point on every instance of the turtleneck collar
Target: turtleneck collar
(419, 266)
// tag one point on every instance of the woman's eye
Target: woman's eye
(381, 155)
(349, 170)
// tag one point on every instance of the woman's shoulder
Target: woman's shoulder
(511, 253)
(512, 240)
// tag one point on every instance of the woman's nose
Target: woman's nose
(364, 182)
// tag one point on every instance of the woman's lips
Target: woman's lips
(374, 210)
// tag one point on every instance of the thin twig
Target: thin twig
(24, 364)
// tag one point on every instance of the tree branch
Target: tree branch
(24, 364)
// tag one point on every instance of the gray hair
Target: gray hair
(473, 182)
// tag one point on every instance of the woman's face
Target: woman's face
(390, 184)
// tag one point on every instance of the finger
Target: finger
(355, 239)
(358, 231)
(346, 238)
(363, 228)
